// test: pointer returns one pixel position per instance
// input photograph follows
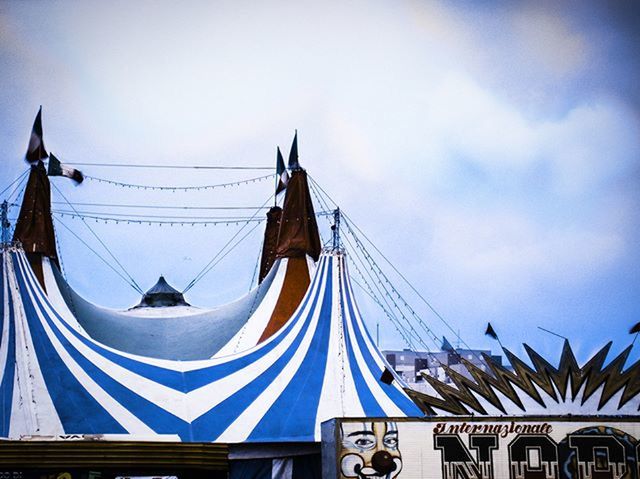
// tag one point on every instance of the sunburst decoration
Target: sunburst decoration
(522, 390)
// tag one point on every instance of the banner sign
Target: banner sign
(482, 448)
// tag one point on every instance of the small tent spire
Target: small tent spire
(298, 235)
(34, 228)
(162, 294)
(270, 241)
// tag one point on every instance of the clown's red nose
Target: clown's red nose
(383, 462)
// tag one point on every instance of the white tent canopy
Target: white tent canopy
(57, 379)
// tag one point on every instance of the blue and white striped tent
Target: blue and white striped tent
(57, 381)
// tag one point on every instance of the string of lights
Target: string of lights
(174, 188)
(117, 218)
(386, 287)
(429, 305)
(386, 298)
(164, 207)
(369, 290)
(392, 293)
(404, 334)
(151, 222)
(323, 204)
(139, 216)
(175, 167)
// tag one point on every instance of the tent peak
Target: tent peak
(162, 294)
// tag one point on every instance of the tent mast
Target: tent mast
(336, 229)
(4, 219)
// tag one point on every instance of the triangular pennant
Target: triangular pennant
(294, 162)
(281, 173)
(36, 150)
(387, 376)
(490, 331)
(446, 345)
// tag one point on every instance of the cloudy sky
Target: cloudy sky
(490, 149)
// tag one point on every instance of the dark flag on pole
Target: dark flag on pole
(58, 169)
(490, 331)
(36, 150)
(635, 329)
(446, 345)
(294, 164)
(387, 376)
(282, 176)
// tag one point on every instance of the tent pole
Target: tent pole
(336, 229)
(4, 219)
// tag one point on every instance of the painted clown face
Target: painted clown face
(370, 450)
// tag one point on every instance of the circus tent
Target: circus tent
(268, 368)
(57, 380)
(181, 331)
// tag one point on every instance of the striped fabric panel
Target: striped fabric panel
(206, 371)
(375, 362)
(272, 392)
(7, 353)
(155, 417)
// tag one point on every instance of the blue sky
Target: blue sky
(490, 149)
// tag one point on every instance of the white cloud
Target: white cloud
(502, 256)
(547, 40)
(352, 149)
(475, 123)
(590, 146)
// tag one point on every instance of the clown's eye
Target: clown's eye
(391, 441)
(363, 442)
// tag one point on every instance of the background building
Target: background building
(410, 364)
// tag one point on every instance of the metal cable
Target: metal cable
(407, 342)
(411, 332)
(15, 181)
(223, 256)
(133, 283)
(379, 273)
(19, 188)
(204, 270)
(94, 251)
(427, 303)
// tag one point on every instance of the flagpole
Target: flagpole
(551, 332)
(635, 329)
(277, 178)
